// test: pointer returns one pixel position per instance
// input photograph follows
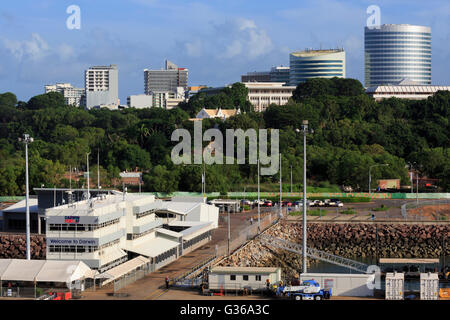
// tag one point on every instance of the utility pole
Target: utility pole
(305, 131)
(417, 188)
(87, 162)
(98, 169)
(291, 178)
(27, 139)
(281, 198)
(229, 235)
(259, 222)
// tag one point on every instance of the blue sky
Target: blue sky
(217, 40)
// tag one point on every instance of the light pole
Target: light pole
(370, 177)
(259, 220)
(27, 139)
(291, 179)
(304, 129)
(87, 162)
(281, 191)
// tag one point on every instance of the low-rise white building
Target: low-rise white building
(140, 101)
(238, 278)
(262, 94)
(217, 113)
(106, 231)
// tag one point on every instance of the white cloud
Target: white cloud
(236, 38)
(65, 52)
(33, 49)
(194, 48)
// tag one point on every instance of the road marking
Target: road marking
(156, 294)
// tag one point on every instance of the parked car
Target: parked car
(268, 203)
(246, 202)
(317, 203)
(335, 203)
(287, 203)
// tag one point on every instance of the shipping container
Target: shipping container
(344, 284)
(395, 283)
(429, 286)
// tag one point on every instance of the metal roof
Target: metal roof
(418, 89)
(21, 206)
(408, 261)
(43, 270)
(244, 270)
(153, 247)
(123, 269)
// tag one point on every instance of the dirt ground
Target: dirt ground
(432, 212)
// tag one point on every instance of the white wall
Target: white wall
(351, 285)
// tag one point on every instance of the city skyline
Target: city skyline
(36, 48)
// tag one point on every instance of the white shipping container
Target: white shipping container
(429, 286)
(395, 283)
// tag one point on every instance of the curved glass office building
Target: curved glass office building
(397, 51)
(316, 64)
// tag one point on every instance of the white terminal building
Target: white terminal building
(110, 229)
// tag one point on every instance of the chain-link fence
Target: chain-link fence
(267, 220)
(132, 277)
(29, 292)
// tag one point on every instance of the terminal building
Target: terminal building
(108, 230)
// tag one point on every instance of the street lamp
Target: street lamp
(370, 177)
(27, 139)
(305, 130)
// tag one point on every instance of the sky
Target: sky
(216, 40)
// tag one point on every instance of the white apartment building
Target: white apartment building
(73, 96)
(168, 99)
(262, 94)
(102, 86)
(110, 229)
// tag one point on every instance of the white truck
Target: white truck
(308, 290)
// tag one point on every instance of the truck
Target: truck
(308, 290)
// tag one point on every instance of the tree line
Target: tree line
(351, 133)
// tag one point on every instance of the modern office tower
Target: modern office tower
(73, 96)
(167, 79)
(276, 74)
(394, 52)
(102, 86)
(316, 64)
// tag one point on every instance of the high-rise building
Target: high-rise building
(168, 79)
(73, 96)
(316, 64)
(276, 74)
(393, 52)
(102, 86)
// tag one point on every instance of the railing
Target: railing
(182, 280)
(313, 253)
(415, 205)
